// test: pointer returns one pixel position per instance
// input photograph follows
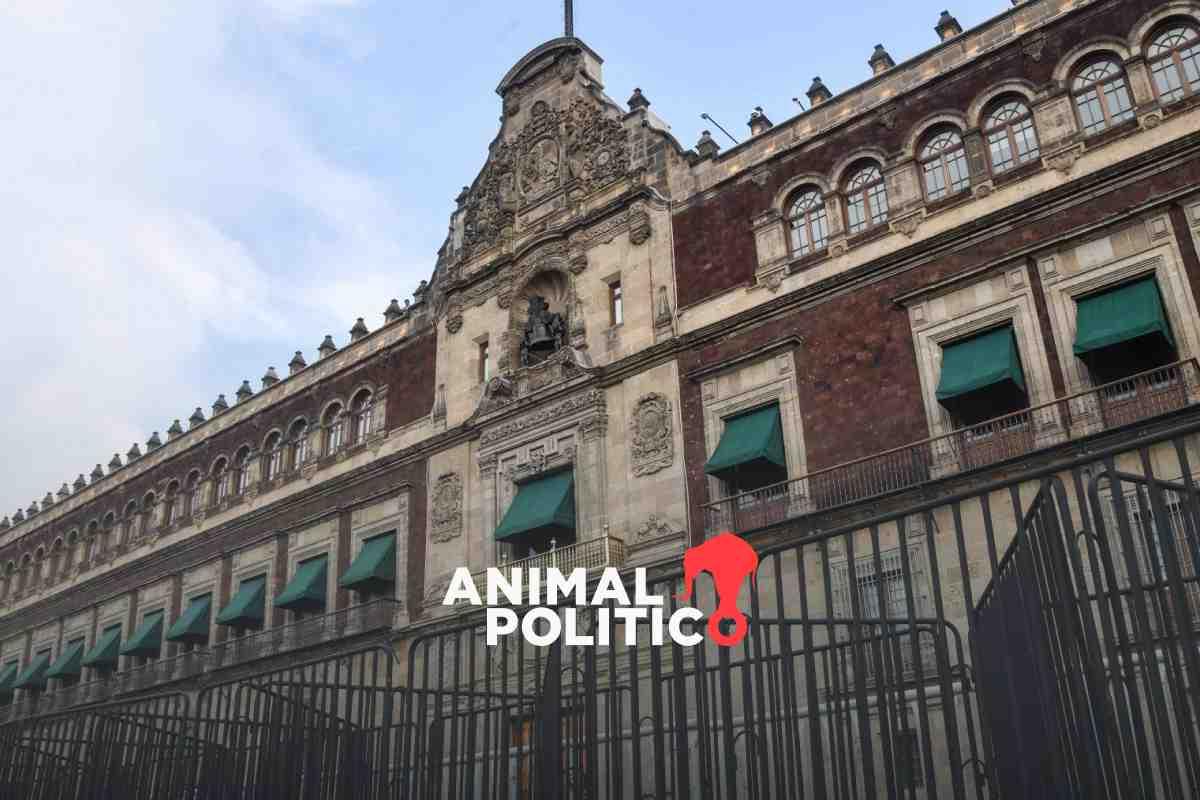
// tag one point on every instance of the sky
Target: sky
(192, 190)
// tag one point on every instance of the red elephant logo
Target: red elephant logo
(729, 560)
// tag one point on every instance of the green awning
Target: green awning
(752, 440)
(146, 640)
(541, 505)
(8, 675)
(107, 649)
(375, 566)
(247, 607)
(1120, 315)
(34, 676)
(306, 590)
(980, 362)
(69, 663)
(192, 625)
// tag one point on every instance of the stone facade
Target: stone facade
(679, 300)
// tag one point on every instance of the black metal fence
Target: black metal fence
(1033, 638)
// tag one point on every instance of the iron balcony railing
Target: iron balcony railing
(605, 551)
(1113, 405)
(185, 665)
(305, 633)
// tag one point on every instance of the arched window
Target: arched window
(298, 437)
(173, 508)
(806, 216)
(866, 199)
(220, 479)
(191, 493)
(1102, 96)
(1175, 62)
(362, 412)
(106, 531)
(72, 556)
(148, 503)
(241, 463)
(93, 540)
(57, 551)
(26, 572)
(334, 424)
(944, 164)
(272, 456)
(1011, 137)
(130, 522)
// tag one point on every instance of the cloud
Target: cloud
(170, 223)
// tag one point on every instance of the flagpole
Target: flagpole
(569, 14)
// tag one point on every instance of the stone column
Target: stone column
(977, 163)
(486, 555)
(341, 598)
(274, 616)
(224, 587)
(125, 662)
(591, 478)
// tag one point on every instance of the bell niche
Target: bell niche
(545, 332)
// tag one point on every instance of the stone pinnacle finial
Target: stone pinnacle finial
(48, 500)
(220, 405)
(359, 330)
(392, 312)
(707, 147)
(947, 26)
(297, 363)
(175, 431)
(5, 524)
(244, 392)
(114, 464)
(818, 93)
(759, 122)
(80, 482)
(196, 418)
(327, 347)
(134, 453)
(880, 61)
(18, 516)
(153, 443)
(97, 473)
(64, 491)
(270, 378)
(638, 101)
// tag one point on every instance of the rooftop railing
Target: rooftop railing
(1134, 399)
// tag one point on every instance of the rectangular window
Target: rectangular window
(615, 303)
(485, 363)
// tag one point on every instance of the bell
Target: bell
(541, 340)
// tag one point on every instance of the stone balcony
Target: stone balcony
(1109, 407)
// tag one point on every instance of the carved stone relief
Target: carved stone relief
(652, 437)
(578, 145)
(447, 507)
(655, 527)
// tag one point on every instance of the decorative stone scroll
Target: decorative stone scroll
(651, 433)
